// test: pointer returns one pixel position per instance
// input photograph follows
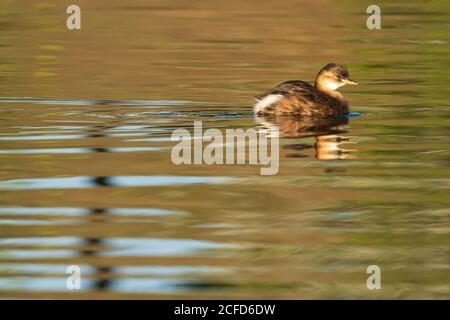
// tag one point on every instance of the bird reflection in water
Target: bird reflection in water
(328, 133)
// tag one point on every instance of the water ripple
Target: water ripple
(116, 181)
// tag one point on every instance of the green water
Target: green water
(87, 178)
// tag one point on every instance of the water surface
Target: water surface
(86, 176)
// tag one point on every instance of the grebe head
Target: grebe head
(331, 77)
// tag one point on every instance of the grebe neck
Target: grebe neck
(328, 86)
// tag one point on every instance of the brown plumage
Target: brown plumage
(299, 98)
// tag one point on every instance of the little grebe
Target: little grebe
(297, 97)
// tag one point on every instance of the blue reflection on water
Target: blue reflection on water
(117, 181)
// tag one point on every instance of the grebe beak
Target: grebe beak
(349, 81)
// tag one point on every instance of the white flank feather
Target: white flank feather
(266, 102)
